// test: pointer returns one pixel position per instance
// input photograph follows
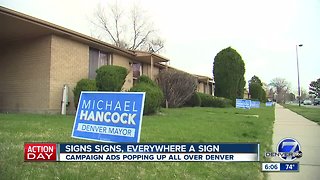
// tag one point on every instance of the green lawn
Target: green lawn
(310, 113)
(172, 125)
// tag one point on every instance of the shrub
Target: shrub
(177, 86)
(264, 96)
(153, 98)
(210, 101)
(110, 78)
(206, 100)
(194, 100)
(83, 85)
(146, 79)
(255, 90)
(224, 102)
(228, 73)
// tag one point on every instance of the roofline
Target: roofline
(195, 75)
(201, 76)
(61, 29)
(160, 65)
(157, 55)
(150, 54)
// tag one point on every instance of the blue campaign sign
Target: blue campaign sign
(109, 116)
(243, 103)
(269, 103)
(255, 104)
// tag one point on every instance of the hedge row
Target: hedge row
(211, 101)
(194, 101)
(206, 100)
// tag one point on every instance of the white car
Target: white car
(307, 102)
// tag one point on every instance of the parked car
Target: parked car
(307, 102)
(316, 101)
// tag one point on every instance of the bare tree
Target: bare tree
(281, 87)
(130, 30)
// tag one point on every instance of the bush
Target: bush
(83, 85)
(194, 100)
(264, 96)
(210, 101)
(153, 98)
(146, 79)
(255, 90)
(206, 99)
(177, 86)
(223, 102)
(228, 73)
(111, 78)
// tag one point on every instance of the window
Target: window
(97, 59)
(137, 71)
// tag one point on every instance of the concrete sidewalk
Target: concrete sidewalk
(307, 133)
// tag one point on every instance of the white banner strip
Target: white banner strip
(110, 130)
(204, 157)
(272, 167)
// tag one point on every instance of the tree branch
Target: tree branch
(141, 35)
(143, 40)
(103, 21)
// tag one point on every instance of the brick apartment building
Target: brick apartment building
(38, 58)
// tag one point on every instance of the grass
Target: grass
(310, 113)
(171, 125)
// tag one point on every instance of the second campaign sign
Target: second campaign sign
(109, 116)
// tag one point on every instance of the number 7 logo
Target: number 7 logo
(287, 148)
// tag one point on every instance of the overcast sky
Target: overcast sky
(264, 32)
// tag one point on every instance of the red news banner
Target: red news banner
(208, 152)
(40, 152)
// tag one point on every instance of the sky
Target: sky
(264, 32)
